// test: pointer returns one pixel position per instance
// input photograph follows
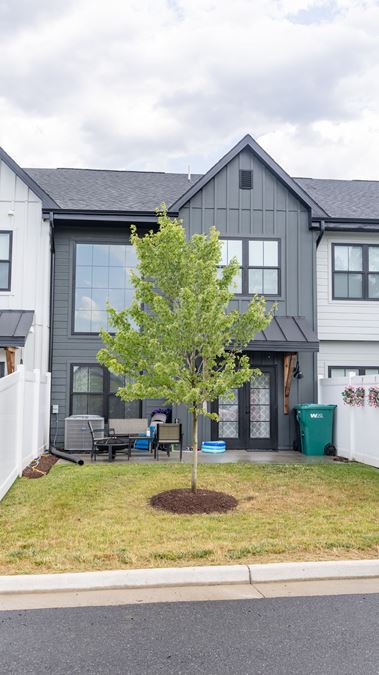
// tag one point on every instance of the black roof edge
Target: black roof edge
(284, 347)
(248, 141)
(347, 224)
(102, 216)
(47, 201)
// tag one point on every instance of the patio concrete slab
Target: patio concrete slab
(228, 457)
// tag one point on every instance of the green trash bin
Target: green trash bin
(316, 427)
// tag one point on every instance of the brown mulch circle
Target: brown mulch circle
(37, 469)
(188, 502)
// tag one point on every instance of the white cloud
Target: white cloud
(159, 83)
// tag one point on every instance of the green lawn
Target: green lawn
(98, 517)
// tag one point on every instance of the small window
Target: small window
(246, 179)
(264, 267)
(5, 260)
(345, 371)
(355, 272)
(87, 390)
(232, 248)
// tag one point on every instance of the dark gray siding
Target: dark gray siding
(271, 210)
(70, 349)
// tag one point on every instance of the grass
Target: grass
(98, 517)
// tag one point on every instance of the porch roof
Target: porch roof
(286, 334)
(15, 325)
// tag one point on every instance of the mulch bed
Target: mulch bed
(40, 467)
(187, 502)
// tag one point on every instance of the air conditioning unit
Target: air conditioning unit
(77, 436)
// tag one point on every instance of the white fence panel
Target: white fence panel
(9, 387)
(24, 422)
(356, 428)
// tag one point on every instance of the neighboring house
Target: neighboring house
(264, 217)
(24, 270)
(347, 276)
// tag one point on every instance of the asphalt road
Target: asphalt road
(315, 635)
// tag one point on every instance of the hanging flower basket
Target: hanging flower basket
(373, 397)
(354, 396)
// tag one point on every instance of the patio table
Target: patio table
(130, 438)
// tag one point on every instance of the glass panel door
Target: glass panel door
(260, 408)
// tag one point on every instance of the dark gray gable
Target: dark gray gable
(14, 327)
(249, 142)
(47, 202)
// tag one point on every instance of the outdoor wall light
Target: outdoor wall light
(297, 372)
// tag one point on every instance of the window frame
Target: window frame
(245, 264)
(8, 260)
(364, 272)
(360, 370)
(90, 242)
(106, 392)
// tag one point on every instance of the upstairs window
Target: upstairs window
(355, 272)
(232, 248)
(259, 265)
(264, 267)
(5, 260)
(102, 273)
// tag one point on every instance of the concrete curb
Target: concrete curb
(189, 576)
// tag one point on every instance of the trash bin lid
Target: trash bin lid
(315, 406)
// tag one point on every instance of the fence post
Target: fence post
(46, 436)
(36, 416)
(20, 418)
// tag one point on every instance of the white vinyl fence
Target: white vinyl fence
(356, 430)
(24, 422)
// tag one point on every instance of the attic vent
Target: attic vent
(246, 179)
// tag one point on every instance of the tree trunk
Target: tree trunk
(194, 449)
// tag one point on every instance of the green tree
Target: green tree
(178, 340)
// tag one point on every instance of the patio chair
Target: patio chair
(101, 443)
(168, 435)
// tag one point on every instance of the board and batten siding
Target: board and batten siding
(21, 213)
(268, 210)
(356, 320)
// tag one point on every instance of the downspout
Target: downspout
(52, 286)
(321, 234)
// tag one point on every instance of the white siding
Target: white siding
(30, 263)
(343, 319)
(347, 353)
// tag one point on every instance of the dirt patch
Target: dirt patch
(187, 502)
(40, 467)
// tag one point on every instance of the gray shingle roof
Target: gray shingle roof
(102, 190)
(106, 190)
(344, 198)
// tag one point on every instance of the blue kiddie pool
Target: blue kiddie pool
(213, 447)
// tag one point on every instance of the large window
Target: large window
(355, 272)
(93, 392)
(259, 261)
(102, 273)
(5, 260)
(344, 371)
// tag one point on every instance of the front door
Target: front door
(249, 418)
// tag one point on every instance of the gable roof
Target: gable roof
(107, 190)
(45, 198)
(249, 142)
(344, 198)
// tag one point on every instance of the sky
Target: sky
(163, 84)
